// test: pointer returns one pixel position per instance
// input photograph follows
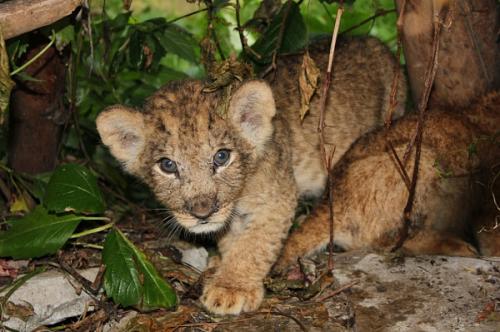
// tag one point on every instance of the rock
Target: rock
(46, 299)
(425, 293)
(196, 257)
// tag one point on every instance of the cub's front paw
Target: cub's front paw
(223, 298)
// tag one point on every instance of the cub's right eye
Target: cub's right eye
(167, 165)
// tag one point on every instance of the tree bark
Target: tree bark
(469, 62)
(21, 16)
(37, 113)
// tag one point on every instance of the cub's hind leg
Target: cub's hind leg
(368, 204)
(431, 242)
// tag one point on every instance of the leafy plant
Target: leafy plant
(71, 194)
(130, 279)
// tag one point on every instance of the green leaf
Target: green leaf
(130, 278)
(176, 40)
(37, 234)
(64, 37)
(294, 35)
(73, 188)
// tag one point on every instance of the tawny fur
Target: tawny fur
(274, 157)
(370, 196)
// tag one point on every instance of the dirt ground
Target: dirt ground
(368, 292)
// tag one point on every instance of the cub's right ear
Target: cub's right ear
(122, 130)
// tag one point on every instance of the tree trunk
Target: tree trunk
(468, 58)
(37, 114)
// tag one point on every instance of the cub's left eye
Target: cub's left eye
(221, 157)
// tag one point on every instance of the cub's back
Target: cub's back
(359, 96)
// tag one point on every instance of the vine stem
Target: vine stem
(39, 54)
(93, 230)
(187, 15)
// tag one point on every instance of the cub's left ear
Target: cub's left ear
(252, 109)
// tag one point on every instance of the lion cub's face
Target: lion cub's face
(195, 161)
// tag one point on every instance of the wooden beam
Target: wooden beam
(21, 16)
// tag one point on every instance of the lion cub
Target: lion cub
(240, 175)
(458, 165)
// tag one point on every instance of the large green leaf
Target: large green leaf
(294, 35)
(73, 188)
(178, 41)
(130, 279)
(37, 234)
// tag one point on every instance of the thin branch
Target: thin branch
(187, 15)
(422, 106)
(211, 30)
(72, 98)
(401, 168)
(378, 13)
(244, 44)
(249, 316)
(337, 291)
(327, 161)
(393, 102)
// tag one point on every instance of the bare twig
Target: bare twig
(401, 167)
(74, 64)
(87, 285)
(417, 140)
(393, 99)
(211, 29)
(280, 313)
(337, 291)
(378, 13)
(187, 15)
(327, 161)
(244, 45)
(491, 187)
(249, 316)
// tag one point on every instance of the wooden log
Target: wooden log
(469, 56)
(21, 16)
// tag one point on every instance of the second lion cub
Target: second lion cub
(240, 175)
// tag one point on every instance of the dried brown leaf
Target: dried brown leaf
(21, 311)
(308, 83)
(222, 76)
(226, 72)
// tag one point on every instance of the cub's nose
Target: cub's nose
(202, 207)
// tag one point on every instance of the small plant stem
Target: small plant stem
(327, 160)
(92, 231)
(187, 15)
(378, 13)
(39, 54)
(88, 245)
